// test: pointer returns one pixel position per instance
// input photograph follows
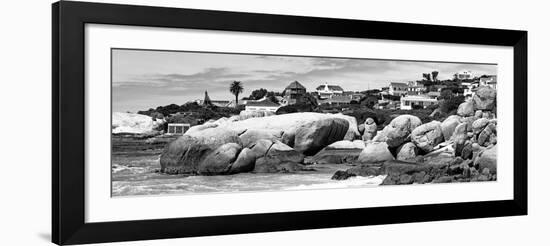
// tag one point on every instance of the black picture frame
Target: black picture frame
(68, 172)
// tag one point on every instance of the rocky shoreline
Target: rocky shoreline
(462, 148)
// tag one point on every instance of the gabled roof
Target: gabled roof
(295, 85)
(330, 87)
(398, 84)
(264, 103)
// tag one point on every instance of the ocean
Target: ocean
(137, 174)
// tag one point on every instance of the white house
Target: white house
(262, 105)
(327, 91)
(463, 75)
(398, 89)
(409, 102)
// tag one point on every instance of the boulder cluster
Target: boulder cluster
(276, 143)
(460, 148)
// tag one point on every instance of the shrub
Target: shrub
(450, 104)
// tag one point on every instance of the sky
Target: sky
(143, 79)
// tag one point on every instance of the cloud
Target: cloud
(215, 72)
(207, 77)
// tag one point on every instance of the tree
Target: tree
(434, 75)
(427, 76)
(236, 88)
(258, 94)
(446, 94)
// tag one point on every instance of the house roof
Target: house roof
(418, 98)
(295, 85)
(264, 103)
(398, 84)
(330, 87)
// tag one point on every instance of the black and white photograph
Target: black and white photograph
(195, 122)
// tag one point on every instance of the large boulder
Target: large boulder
(448, 126)
(400, 128)
(312, 137)
(485, 98)
(407, 151)
(307, 132)
(487, 159)
(375, 152)
(219, 161)
(427, 136)
(370, 129)
(466, 109)
(187, 153)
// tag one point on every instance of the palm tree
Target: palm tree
(236, 88)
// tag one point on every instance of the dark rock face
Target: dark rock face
(245, 162)
(191, 155)
(435, 170)
(185, 154)
(219, 161)
(279, 158)
(336, 156)
(342, 175)
(314, 136)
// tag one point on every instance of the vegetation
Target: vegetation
(191, 113)
(450, 104)
(261, 93)
(434, 75)
(236, 88)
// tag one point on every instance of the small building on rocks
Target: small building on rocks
(411, 102)
(177, 128)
